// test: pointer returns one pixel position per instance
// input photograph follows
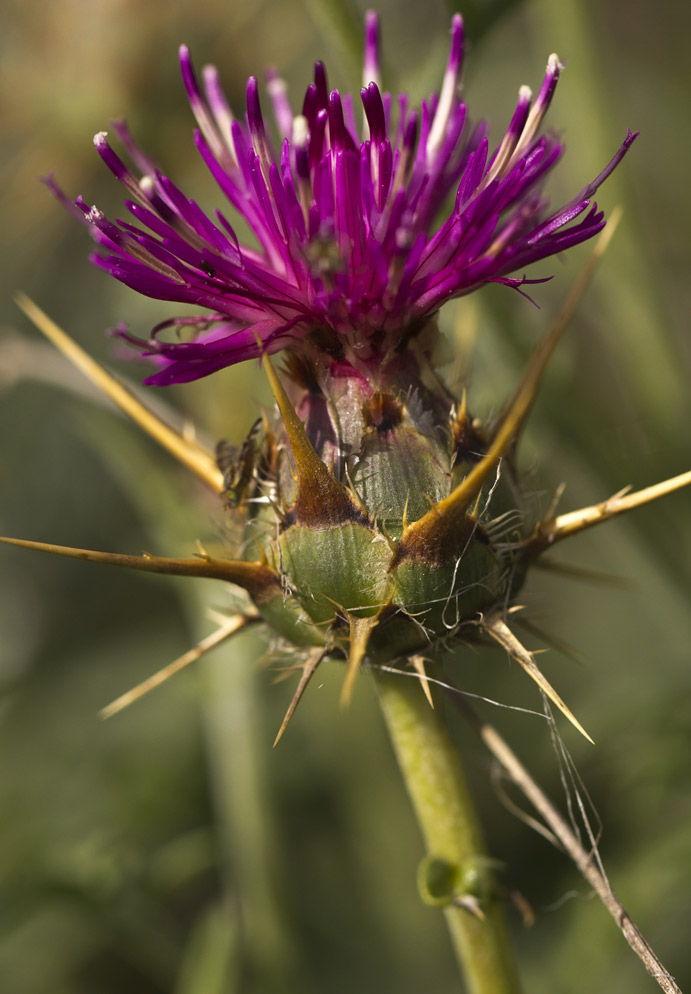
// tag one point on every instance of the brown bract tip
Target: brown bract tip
(438, 538)
(301, 371)
(383, 412)
(468, 444)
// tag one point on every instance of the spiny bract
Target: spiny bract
(377, 519)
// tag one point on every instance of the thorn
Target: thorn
(283, 673)
(573, 572)
(308, 668)
(352, 490)
(555, 529)
(360, 631)
(552, 640)
(320, 498)
(460, 499)
(261, 582)
(471, 904)
(383, 530)
(404, 518)
(502, 634)
(523, 906)
(220, 617)
(184, 448)
(475, 513)
(558, 493)
(307, 462)
(418, 664)
(520, 406)
(230, 627)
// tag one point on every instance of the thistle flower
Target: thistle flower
(374, 520)
(351, 258)
(387, 520)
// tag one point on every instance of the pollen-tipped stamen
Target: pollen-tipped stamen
(449, 91)
(371, 70)
(187, 451)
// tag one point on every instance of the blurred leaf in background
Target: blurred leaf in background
(169, 849)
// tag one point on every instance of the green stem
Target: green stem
(455, 873)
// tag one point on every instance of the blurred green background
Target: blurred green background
(170, 849)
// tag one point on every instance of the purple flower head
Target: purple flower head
(350, 256)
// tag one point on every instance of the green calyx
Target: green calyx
(353, 505)
(339, 568)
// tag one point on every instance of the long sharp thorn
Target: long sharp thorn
(460, 499)
(186, 450)
(230, 627)
(552, 640)
(573, 572)
(285, 673)
(307, 462)
(520, 406)
(360, 631)
(260, 581)
(320, 498)
(418, 664)
(471, 904)
(308, 669)
(555, 529)
(502, 634)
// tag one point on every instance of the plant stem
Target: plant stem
(264, 958)
(437, 787)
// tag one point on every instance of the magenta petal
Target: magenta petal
(348, 240)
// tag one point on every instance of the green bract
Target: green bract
(358, 504)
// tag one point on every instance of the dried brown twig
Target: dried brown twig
(584, 860)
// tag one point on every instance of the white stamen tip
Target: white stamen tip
(100, 139)
(209, 74)
(300, 130)
(276, 86)
(553, 63)
(525, 94)
(146, 185)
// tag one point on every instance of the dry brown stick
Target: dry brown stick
(583, 860)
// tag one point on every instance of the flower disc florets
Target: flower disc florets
(351, 258)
